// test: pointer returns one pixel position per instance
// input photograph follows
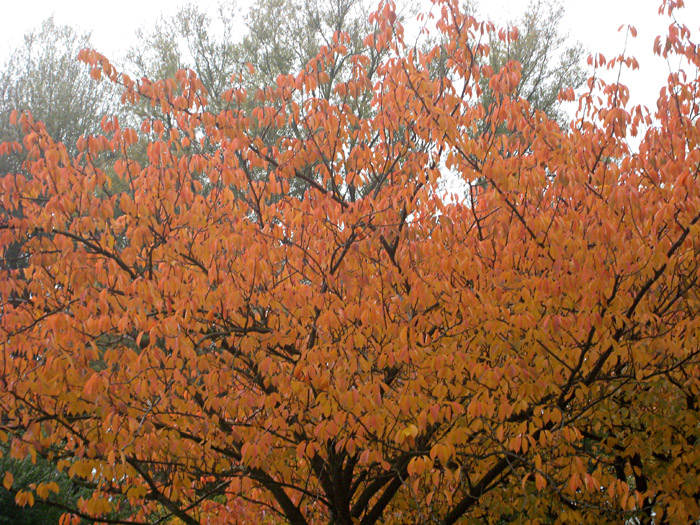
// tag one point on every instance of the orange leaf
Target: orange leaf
(8, 479)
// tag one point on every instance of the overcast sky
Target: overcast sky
(592, 22)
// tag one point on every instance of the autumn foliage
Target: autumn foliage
(189, 338)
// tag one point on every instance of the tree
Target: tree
(189, 40)
(238, 354)
(282, 37)
(43, 76)
(547, 63)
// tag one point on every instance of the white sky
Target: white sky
(592, 22)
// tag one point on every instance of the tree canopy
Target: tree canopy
(196, 343)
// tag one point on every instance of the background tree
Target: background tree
(193, 39)
(281, 37)
(530, 353)
(548, 61)
(43, 76)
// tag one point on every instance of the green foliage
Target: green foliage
(26, 473)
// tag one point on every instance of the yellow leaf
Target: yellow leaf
(416, 467)
(24, 498)
(42, 491)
